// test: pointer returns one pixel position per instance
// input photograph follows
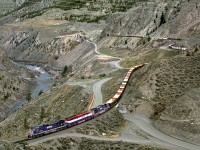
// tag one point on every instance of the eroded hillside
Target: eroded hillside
(51, 106)
(13, 86)
(75, 35)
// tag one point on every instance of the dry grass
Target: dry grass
(88, 144)
(103, 125)
(49, 107)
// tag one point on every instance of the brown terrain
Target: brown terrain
(65, 34)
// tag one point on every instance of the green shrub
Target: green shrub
(102, 75)
(64, 72)
(26, 125)
(41, 91)
(28, 96)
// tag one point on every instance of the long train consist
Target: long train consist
(172, 46)
(82, 117)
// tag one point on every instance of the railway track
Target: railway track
(142, 123)
(112, 102)
(139, 36)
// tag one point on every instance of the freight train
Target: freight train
(172, 46)
(69, 122)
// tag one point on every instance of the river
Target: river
(43, 83)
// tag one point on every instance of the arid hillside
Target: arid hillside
(13, 86)
(51, 106)
(85, 42)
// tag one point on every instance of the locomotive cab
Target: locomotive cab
(30, 134)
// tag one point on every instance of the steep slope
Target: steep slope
(80, 10)
(9, 5)
(157, 19)
(13, 86)
(38, 43)
(56, 104)
(54, 43)
(168, 91)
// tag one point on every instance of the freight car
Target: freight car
(172, 46)
(113, 101)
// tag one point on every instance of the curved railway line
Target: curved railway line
(82, 117)
(45, 129)
(112, 102)
(141, 121)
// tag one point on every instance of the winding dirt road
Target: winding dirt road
(122, 138)
(98, 98)
(145, 124)
(155, 137)
(113, 63)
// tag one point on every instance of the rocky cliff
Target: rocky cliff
(166, 90)
(158, 19)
